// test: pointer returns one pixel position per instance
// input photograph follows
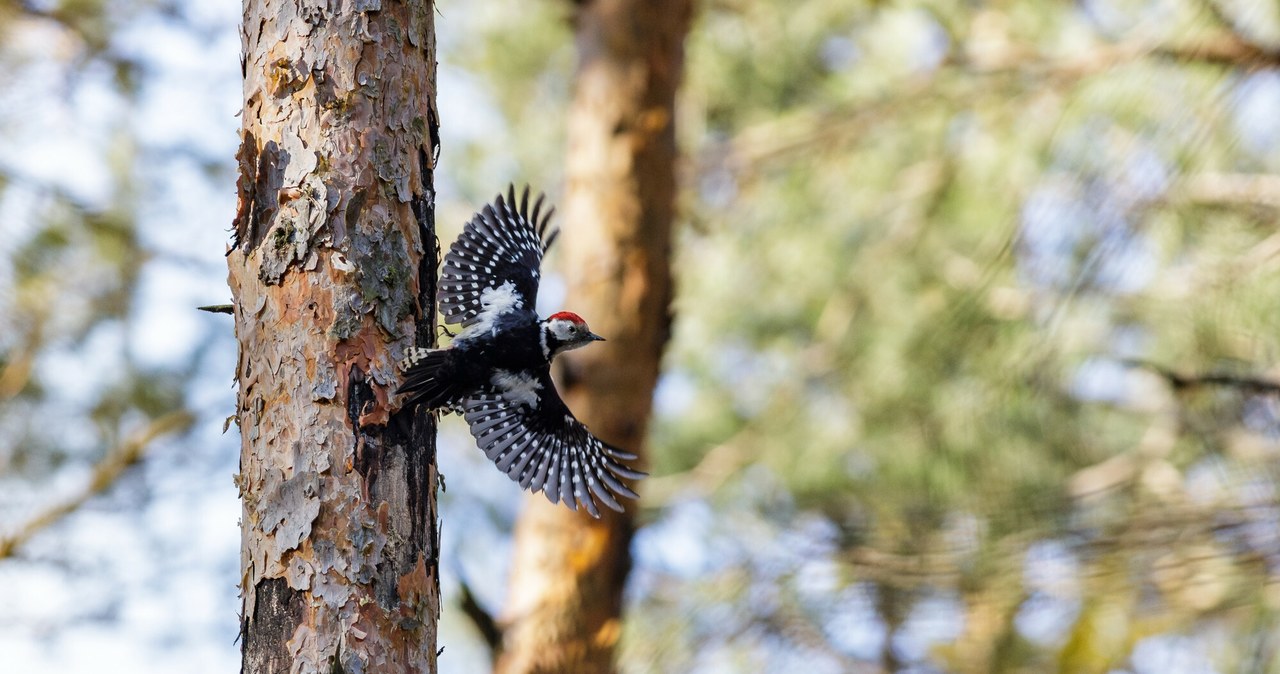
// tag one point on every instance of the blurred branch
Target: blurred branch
(1179, 381)
(804, 131)
(814, 131)
(1162, 524)
(105, 473)
(1266, 250)
(1228, 50)
(906, 571)
(1117, 471)
(716, 466)
(1103, 476)
(16, 371)
(1230, 189)
(1160, 438)
(1228, 20)
(482, 619)
(1148, 529)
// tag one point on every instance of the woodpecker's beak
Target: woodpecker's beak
(595, 337)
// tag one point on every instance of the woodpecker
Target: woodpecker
(497, 371)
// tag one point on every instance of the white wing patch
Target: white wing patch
(503, 242)
(494, 302)
(516, 387)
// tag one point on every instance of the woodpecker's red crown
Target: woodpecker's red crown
(567, 316)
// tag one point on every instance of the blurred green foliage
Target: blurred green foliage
(71, 391)
(939, 258)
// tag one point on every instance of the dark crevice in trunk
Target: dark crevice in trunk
(269, 178)
(247, 158)
(424, 212)
(360, 397)
(276, 614)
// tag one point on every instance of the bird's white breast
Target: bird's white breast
(517, 387)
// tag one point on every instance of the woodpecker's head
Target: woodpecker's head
(565, 331)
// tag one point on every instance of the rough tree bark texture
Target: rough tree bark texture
(563, 609)
(332, 272)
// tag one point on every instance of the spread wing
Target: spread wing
(493, 267)
(524, 427)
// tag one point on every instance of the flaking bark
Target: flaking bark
(564, 606)
(332, 272)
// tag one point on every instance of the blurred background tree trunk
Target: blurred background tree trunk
(332, 273)
(568, 571)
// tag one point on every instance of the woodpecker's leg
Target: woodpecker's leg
(444, 331)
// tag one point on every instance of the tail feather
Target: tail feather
(428, 378)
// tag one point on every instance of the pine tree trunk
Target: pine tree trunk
(332, 273)
(568, 572)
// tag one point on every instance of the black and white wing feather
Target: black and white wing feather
(533, 438)
(493, 267)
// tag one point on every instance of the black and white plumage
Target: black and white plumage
(497, 371)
